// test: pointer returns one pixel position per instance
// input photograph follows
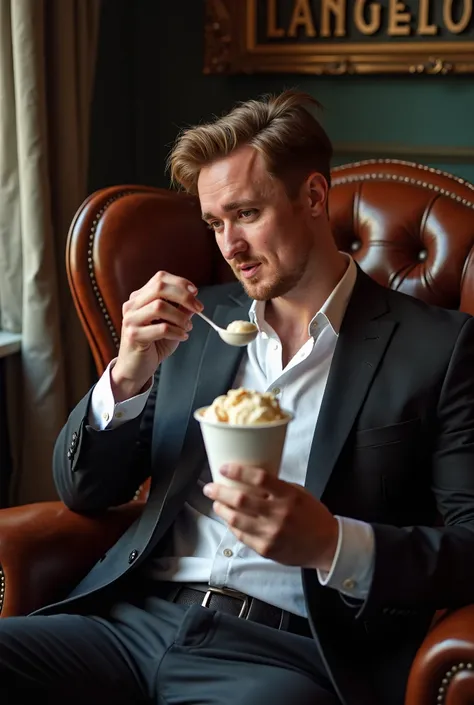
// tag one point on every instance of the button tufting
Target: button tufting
(422, 255)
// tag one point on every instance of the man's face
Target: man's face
(266, 238)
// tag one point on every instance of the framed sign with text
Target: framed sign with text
(339, 36)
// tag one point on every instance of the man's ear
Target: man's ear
(317, 194)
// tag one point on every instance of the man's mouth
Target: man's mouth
(249, 270)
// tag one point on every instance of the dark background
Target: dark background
(150, 84)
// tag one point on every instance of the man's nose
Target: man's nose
(232, 242)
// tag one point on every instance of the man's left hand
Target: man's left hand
(277, 519)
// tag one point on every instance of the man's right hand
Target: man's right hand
(156, 318)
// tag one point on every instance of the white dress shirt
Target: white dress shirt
(203, 549)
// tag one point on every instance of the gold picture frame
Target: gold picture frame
(232, 46)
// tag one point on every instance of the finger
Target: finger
(241, 525)
(144, 335)
(158, 311)
(253, 503)
(185, 310)
(170, 287)
(255, 477)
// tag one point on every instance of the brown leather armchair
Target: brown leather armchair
(409, 226)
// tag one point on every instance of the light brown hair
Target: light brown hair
(281, 127)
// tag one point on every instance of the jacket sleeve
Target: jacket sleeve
(94, 470)
(433, 568)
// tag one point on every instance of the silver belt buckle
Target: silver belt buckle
(244, 610)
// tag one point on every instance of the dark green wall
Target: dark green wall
(150, 83)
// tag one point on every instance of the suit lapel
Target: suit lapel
(217, 375)
(363, 338)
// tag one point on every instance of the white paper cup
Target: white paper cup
(260, 445)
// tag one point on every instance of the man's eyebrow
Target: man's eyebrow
(231, 206)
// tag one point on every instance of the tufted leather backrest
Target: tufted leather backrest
(409, 226)
(119, 238)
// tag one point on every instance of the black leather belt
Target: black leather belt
(237, 604)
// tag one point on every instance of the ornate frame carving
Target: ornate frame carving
(231, 47)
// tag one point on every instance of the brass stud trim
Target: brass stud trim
(402, 162)
(90, 263)
(404, 179)
(95, 286)
(447, 678)
(2, 588)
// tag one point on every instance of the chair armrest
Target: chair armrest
(443, 670)
(45, 550)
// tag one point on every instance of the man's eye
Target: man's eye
(248, 213)
(214, 225)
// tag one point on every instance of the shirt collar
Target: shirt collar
(331, 312)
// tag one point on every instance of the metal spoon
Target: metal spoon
(237, 339)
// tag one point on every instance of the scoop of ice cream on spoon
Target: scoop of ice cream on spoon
(238, 333)
(241, 327)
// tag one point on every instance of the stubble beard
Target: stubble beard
(280, 286)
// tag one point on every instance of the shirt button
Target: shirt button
(276, 390)
(227, 553)
(119, 415)
(275, 346)
(348, 584)
(105, 416)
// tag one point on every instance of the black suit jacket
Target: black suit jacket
(393, 446)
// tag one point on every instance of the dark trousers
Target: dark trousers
(152, 651)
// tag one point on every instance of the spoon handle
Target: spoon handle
(208, 320)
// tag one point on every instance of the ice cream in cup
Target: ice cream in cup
(243, 426)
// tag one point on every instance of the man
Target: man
(317, 586)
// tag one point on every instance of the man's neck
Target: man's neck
(291, 315)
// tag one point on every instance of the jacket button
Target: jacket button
(70, 454)
(133, 555)
(349, 584)
(74, 436)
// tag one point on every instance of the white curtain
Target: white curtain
(47, 58)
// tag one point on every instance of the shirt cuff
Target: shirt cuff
(353, 565)
(104, 413)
